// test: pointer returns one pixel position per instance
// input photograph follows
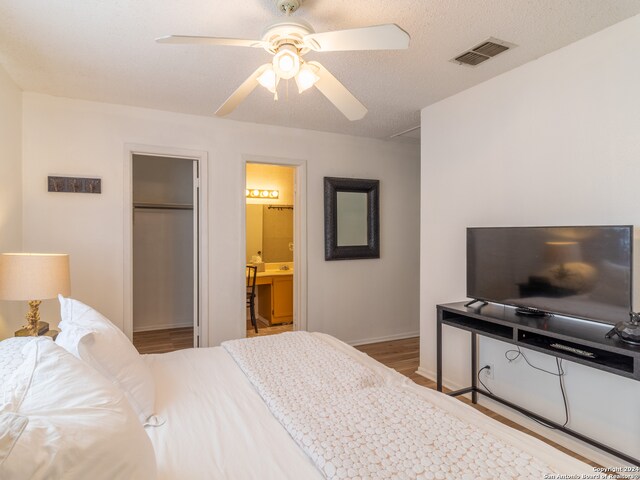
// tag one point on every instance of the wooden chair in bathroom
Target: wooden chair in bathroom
(252, 272)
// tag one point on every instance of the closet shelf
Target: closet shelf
(163, 206)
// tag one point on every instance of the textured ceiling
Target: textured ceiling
(105, 51)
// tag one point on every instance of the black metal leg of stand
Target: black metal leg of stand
(474, 367)
(439, 353)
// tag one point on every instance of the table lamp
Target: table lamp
(33, 277)
(560, 254)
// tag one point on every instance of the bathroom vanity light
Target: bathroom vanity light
(264, 194)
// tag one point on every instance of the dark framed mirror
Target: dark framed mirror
(351, 218)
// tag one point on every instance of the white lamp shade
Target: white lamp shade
(557, 253)
(33, 276)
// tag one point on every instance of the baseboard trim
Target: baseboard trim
(162, 326)
(428, 374)
(592, 453)
(431, 375)
(560, 438)
(387, 338)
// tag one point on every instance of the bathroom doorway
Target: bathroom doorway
(270, 223)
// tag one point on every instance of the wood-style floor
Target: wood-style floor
(401, 355)
(266, 329)
(163, 341)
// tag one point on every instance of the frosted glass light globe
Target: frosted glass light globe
(306, 78)
(269, 80)
(286, 62)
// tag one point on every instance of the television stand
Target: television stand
(562, 337)
(475, 300)
(532, 312)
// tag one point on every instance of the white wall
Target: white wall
(162, 269)
(554, 142)
(11, 313)
(353, 300)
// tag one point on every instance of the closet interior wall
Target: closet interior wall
(162, 243)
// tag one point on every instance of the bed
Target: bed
(219, 426)
(324, 410)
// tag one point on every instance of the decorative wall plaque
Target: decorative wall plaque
(75, 184)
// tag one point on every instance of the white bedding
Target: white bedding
(219, 427)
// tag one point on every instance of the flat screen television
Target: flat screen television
(583, 271)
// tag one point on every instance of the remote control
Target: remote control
(577, 351)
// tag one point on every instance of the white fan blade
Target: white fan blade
(230, 42)
(337, 94)
(241, 92)
(381, 37)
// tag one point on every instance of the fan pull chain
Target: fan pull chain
(275, 90)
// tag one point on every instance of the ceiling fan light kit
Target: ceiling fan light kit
(288, 41)
(286, 62)
(269, 80)
(306, 78)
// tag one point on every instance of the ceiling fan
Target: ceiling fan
(288, 41)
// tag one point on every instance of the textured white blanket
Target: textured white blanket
(354, 425)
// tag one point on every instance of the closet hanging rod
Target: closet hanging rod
(163, 206)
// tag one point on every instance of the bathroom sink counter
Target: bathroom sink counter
(275, 293)
(274, 273)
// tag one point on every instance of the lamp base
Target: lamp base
(43, 327)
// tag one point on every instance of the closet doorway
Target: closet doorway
(165, 284)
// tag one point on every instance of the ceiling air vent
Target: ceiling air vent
(471, 58)
(483, 52)
(490, 49)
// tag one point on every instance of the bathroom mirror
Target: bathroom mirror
(351, 218)
(270, 232)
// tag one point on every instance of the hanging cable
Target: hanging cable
(486, 367)
(512, 355)
(561, 375)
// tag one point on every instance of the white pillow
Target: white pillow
(93, 338)
(64, 420)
